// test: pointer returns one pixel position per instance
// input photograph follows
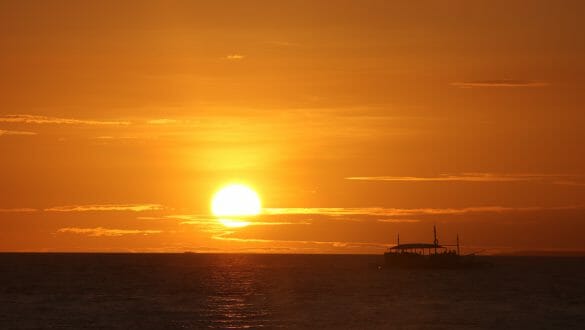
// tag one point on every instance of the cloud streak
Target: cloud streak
(18, 210)
(7, 132)
(335, 244)
(36, 119)
(561, 179)
(234, 57)
(106, 232)
(206, 220)
(399, 220)
(162, 121)
(398, 212)
(106, 207)
(510, 83)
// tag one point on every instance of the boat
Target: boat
(428, 256)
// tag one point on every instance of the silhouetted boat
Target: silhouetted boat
(428, 256)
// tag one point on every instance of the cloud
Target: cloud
(18, 210)
(107, 139)
(478, 177)
(162, 121)
(200, 219)
(569, 183)
(334, 244)
(106, 232)
(35, 119)
(247, 223)
(106, 207)
(190, 219)
(500, 83)
(391, 212)
(5, 132)
(399, 220)
(234, 57)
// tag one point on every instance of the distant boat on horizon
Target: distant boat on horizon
(428, 256)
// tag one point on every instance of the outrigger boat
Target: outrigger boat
(428, 256)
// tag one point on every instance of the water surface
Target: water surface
(177, 291)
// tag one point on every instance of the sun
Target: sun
(235, 200)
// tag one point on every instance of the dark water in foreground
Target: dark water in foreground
(157, 291)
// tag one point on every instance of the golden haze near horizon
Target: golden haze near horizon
(341, 122)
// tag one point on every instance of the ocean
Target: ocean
(233, 291)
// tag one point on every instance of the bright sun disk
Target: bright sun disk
(236, 200)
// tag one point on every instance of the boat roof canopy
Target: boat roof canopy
(415, 246)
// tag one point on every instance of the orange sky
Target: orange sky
(353, 120)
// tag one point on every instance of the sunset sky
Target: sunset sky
(352, 120)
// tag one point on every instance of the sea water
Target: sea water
(192, 291)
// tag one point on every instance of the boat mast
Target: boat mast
(458, 244)
(436, 242)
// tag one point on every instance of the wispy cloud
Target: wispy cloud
(399, 220)
(200, 219)
(398, 212)
(162, 121)
(6, 132)
(234, 57)
(109, 137)
(18, 210)
(335, 244)
(101, 232)
(479, 177)
(106, 207)
(248, 223)
(36, 119)
(500, 83)
(284, 43)
(570, 183)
